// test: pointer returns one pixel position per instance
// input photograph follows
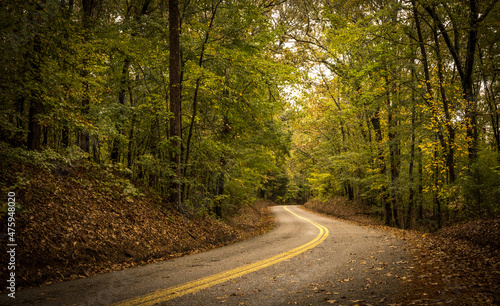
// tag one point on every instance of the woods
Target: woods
(401, 112)
(213, 103)
(182, 95)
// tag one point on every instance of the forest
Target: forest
(214, 103)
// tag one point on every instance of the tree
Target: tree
(387, 61)
(175, 98)
(212, 102)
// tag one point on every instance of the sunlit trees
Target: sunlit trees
(402, 119)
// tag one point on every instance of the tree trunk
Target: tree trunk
(34, 141)
(427, 76)
(220, 187)
(196, 90)
(450, 146)
(435, 195)
(68, 13)
(34, 126)
(115, 151)
(375, 120)
(394, 157)
(411, 199)
(466, 70)
(88, 7)
(175, 100)
(65, 135)
(467, 82)
(84, 134)
(420, 187)
(225, 131)
(130, 149)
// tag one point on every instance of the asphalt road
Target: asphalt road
(306, 260)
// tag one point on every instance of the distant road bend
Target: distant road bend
(306, 260)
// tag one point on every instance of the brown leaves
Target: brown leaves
(452, 270)
(458, 265)
(481, 232)
(342, 208)
(82, 225)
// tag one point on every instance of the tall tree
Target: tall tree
(465, 65)
(35, 58)
(175, 99)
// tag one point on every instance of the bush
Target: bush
(481, 189)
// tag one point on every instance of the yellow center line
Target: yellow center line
(164, 295)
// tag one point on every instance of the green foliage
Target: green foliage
(273, 104)
(385, 121)
(48, 159)
(100, 82)
(479, 195)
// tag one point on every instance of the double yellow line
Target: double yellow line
(167, 294)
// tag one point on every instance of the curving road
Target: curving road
(306, 260)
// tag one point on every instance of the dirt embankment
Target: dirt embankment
(84, 220)
(342, 208)
(457, 265)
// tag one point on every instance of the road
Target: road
(307, 259)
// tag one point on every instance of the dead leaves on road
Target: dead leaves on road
(459, 264)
